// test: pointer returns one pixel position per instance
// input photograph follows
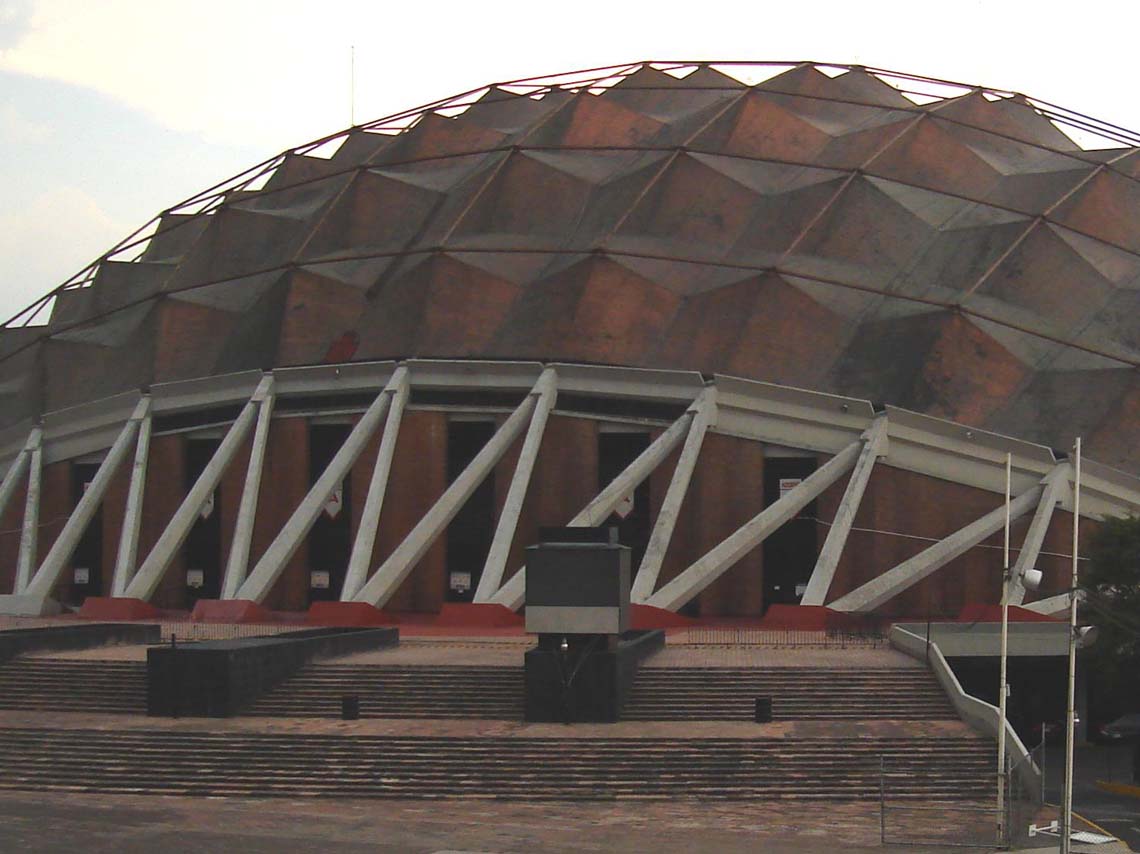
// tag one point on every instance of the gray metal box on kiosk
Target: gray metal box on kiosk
(577, 587)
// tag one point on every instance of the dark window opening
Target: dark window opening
(87, 560)
(203, 548)
(470, 533)
(330, 539)
(615, 452)
(790, 551)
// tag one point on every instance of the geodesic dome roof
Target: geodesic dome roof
(944, 248)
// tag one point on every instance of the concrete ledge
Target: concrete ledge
(23, 605)
(230, 611)
(1126, 789)
(217, 679)
(75, 636)
(117, 608)
(347, 614)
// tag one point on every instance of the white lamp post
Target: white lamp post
(1067, 802)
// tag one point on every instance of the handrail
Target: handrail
(981, 715)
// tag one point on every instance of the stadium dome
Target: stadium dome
(955, 252)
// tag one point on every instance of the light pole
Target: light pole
(1030, 579)
(1003, 688)
(1067, 802)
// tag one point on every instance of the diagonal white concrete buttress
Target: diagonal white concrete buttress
(644, 583)
(127, 556)
(1056, 483)
(391, 573)
(492, 578)
(361, 557)
(874, 446)
(154, 567)
(908, 573)
(238, 561)
(64, 546)
(513, 594)
(752, 533)
(30, 529)
(269, 568)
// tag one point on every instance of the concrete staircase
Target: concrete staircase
(63, 685)
(798, 693)
(244, 764)
(393, 691)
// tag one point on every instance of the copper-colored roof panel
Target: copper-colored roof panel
(438, 136)
(595, 311)
(317, 312)
(1012, 117)
(760, 126)
(593, 121)
(1107, 207)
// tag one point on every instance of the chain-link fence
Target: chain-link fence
(961, 816)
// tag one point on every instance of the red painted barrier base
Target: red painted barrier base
(347, 614)
(230, 611)
(648, 617)
(478, 615)
(117, 608)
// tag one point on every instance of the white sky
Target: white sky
(113, 110)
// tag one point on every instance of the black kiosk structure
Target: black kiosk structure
(577, 602)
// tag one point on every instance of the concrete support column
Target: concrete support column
(908, 573)
(30, 529)
(874, 446)
(513, 593)
(147, 579)
(388, 577)
(238, 561)
(492, 578)
(1056, 482)
(723, 556)
(127, 557)
(61, 551)
(704, 416)
(17, 469)
(269, 568)
(398, 389)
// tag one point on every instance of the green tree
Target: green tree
(1111, 581)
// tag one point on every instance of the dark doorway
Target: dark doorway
(470, 533)
(615, 452)
(87, 560)
(203, 548)
(790, 552)
(330, 540)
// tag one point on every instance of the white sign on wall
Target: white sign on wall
(195, 578)
(787, 484)
(319, 580)
(82, 575)
(335, 501)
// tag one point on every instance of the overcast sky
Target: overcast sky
(113, 110)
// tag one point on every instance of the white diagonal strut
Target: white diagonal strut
(64, 546)
(908, 573)
(513, 593)
(874, 446)
(388, 577)
(361, 557)
(16, 470)
(1056, 482)
(127, 557)
(269, 568)
(752, 533)
(496, 563)
(154, 567)
(238, 561)
(704, 408)
(30, 529)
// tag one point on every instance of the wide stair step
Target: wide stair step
(798, 693)
(217, 764)
(71, 685)
(393, 691)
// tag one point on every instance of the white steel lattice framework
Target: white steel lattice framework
(851, 432)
